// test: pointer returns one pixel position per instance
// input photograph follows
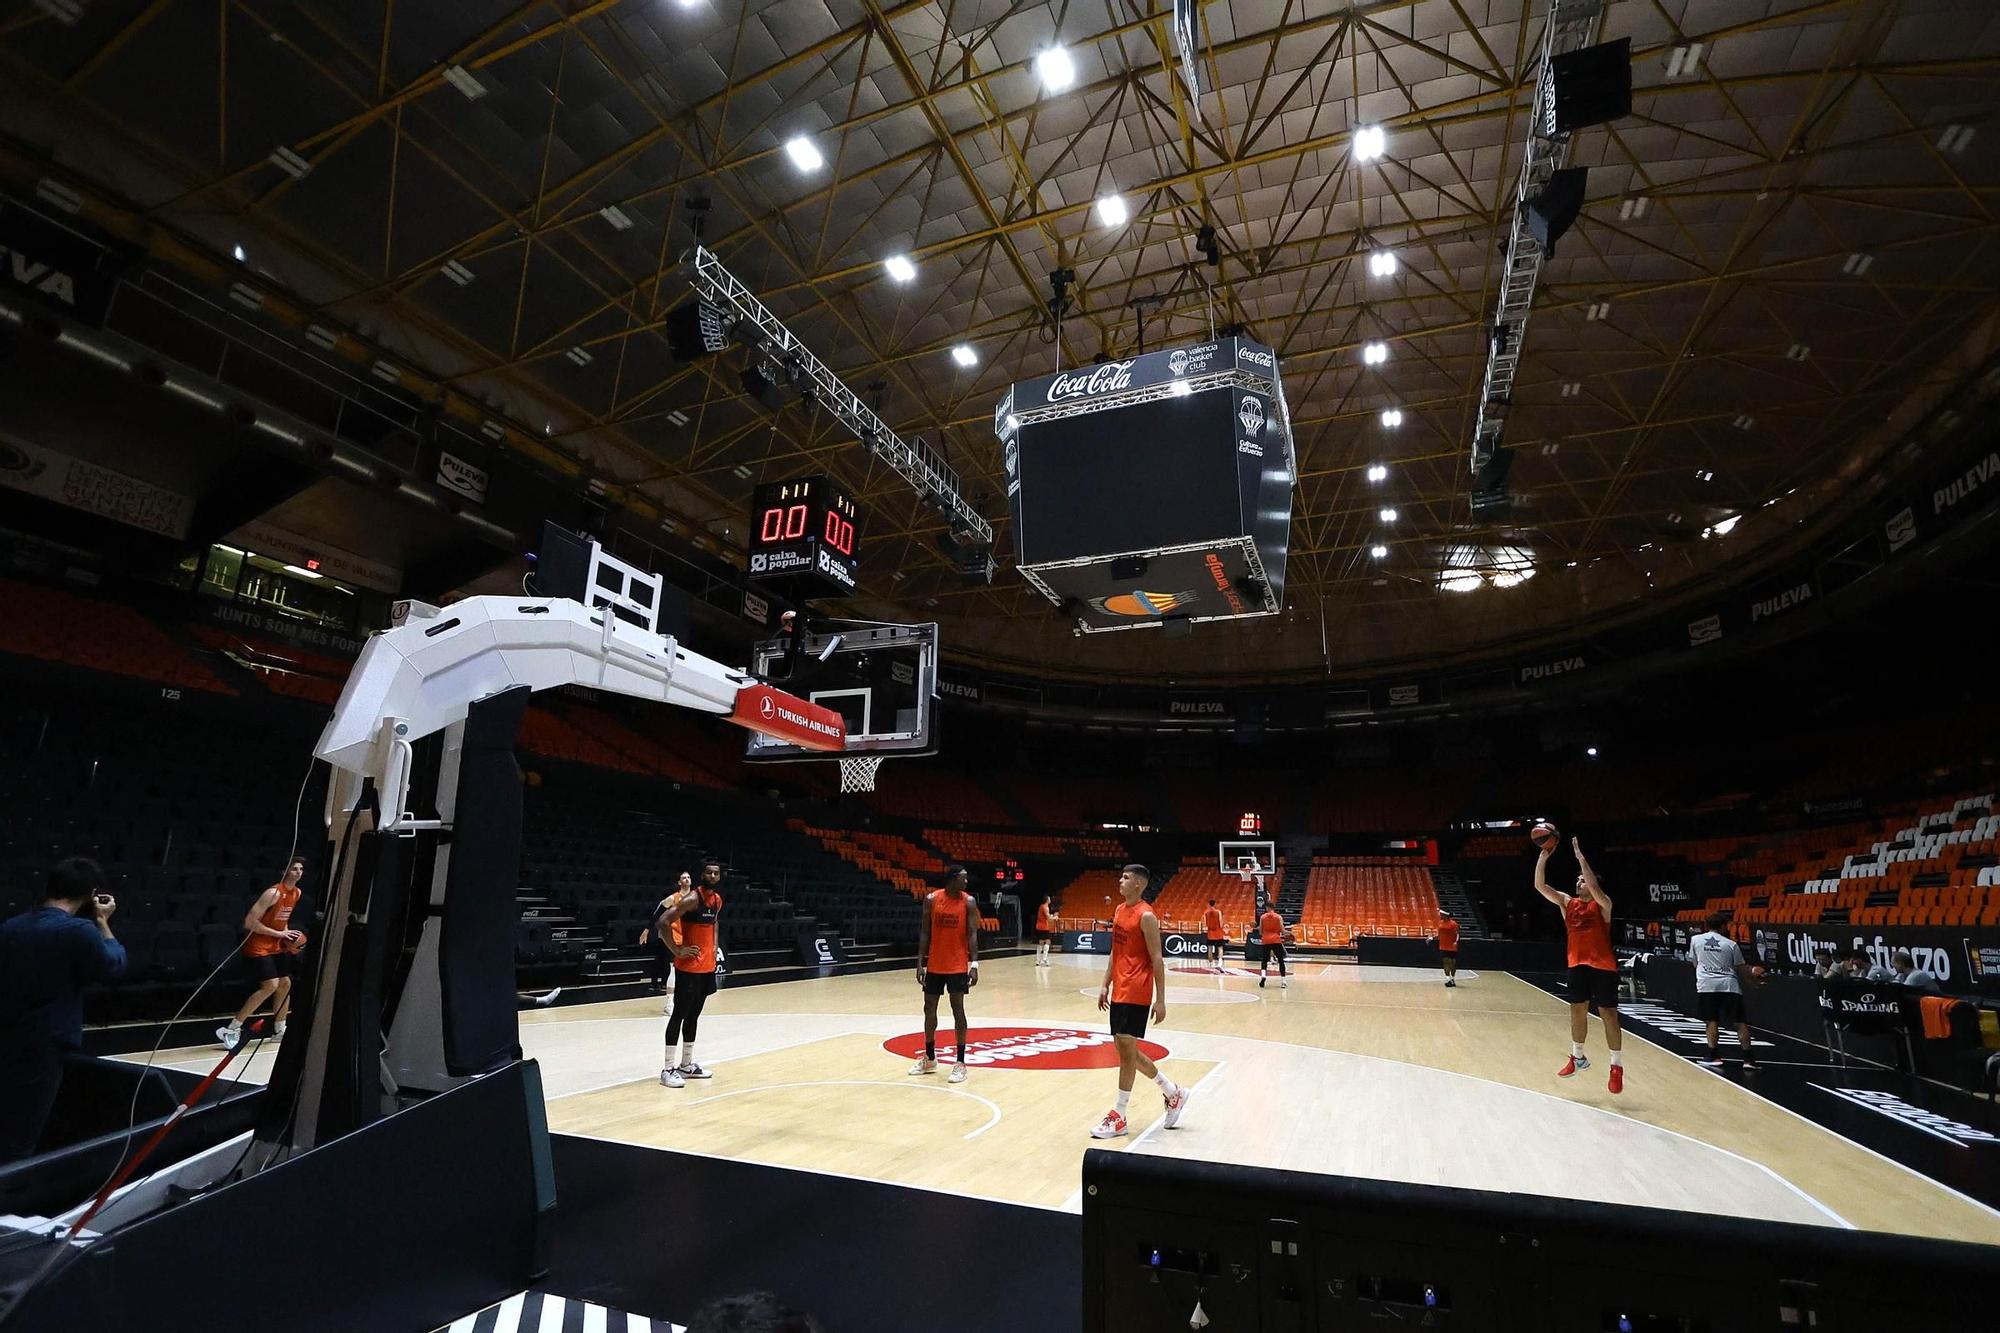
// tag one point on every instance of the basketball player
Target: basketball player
(1271, 934)
(1719, 973)
(1448, 947)
(659, 941)
(1211, 921)
(269, 923)
(947, 963)
(1044, 932)
(1593, 968)
(697, 910)
(1134, 979)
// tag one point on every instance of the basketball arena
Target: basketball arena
(804, 666)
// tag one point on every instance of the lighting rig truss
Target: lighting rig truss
(1572, 25)
(933, 479)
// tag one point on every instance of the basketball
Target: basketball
(1544, 835)
(298, 945)
(1757, 972)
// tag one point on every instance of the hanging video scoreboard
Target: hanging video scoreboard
(803, 534)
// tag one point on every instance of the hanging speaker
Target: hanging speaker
(1589, 87)
(1551, 212)
(695, 330)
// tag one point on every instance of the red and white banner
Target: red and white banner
(786, 717)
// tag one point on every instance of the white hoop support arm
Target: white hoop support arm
(422, 675)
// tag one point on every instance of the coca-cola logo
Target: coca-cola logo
(1107, 378)
(1254, 357)
(1251, 414)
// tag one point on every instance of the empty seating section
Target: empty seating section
(1916, 867)
(1076, 801)
(969, 845)
(1183, 899)
(917, 790)
(281, 667)
(1087, 899)
(889, 858)
(1348, 897)
(59, 626)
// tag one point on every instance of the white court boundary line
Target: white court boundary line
(1773, 1102)
(1074, 1203)
(862, 1083)
(719, 1064)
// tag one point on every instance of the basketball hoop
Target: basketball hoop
(857, 772)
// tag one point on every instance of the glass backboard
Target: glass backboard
(881, 679)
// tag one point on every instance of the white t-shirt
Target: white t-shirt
(1716, 959)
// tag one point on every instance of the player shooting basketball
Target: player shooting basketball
(1593, 969)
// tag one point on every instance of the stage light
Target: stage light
(239, 255)
(1591, 751)
(965, 356)
(1180, 388)
(900, 268)
(1378, 551)
(1727, 525)
(1382, 263)
(804, 156)
(1374, 354)
(1370, 141)
(1378, 473)
(1111, 210)
(1055, 69)
(1392, 417)
(1387, 516)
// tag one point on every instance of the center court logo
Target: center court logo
(1025, 1048)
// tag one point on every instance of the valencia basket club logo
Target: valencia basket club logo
(1251, 414)
(1137, 603)
(1026, 1048)
(1177, 360)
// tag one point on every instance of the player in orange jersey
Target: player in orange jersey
(269, 922)
(947, 963)
(1044, 932)
(1593, 968)
(1448, 946)
(1211, 921)
(697, 910)
(1271, 934)
(1135, 981)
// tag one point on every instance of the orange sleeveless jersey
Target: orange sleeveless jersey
(698, 932)
(947, 956)
(1273, 927)
(1042, 916)
(1131, 960)
(1589, 934)
(277, 917)
(1448, 936)
(1212, 918)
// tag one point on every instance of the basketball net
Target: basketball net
(857, 772)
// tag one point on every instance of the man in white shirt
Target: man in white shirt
(1719, 969)
(1910, 974)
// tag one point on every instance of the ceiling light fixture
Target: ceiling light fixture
(1374, 354)
(1378, 551)
(1387, 516)
(1392, 417)
(1378, 473)
(1055, 69)
(1111, 210)
(1382, 263)
(965, 356)
(1370, 142)
(804, 156)
(900, 268)
(1461, 582)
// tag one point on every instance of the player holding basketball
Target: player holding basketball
(1211, 921)
(1271, 934)
(1593, 968)
(1044, 932)
(1448, 947)
(269, 922)
(698, 910)
(947, 963)
(1135, 981)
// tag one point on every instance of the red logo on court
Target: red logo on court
(1024, 1048)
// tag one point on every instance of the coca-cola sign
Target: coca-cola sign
(1107, 378)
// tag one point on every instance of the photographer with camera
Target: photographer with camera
(47, 957)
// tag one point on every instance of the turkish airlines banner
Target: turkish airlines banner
(786, 717)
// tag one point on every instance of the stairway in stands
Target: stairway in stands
(1296, 855)
(1453, 898)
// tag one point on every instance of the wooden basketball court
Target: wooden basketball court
(1368, 1071)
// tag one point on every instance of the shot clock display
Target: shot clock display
(803, 533)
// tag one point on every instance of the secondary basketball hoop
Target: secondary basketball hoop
(880, 678)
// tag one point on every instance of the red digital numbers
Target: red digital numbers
(839, 533)
(782, 524)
